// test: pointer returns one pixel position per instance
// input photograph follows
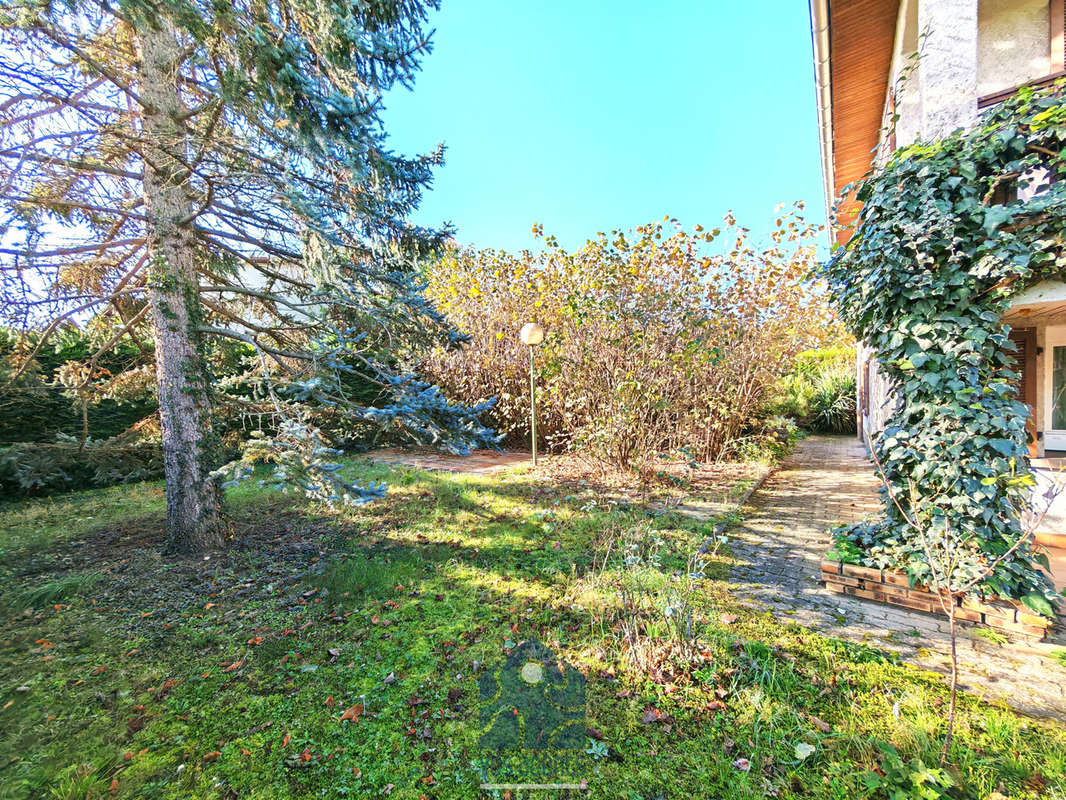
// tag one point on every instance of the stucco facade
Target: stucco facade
(982, 47)
(1012, 43)
(947, 65)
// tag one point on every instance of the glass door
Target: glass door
(1055, 389)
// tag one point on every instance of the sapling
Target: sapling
(956, 564)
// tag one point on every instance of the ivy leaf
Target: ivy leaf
(1038, 603)
(994, 217)
(1004, 446)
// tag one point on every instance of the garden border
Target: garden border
(894, 588)
(726, 524)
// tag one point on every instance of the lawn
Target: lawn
(341, 654)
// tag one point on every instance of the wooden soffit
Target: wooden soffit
(861, 39)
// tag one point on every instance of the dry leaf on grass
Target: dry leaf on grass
(353, 713)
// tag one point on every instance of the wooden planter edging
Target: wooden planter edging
(886, 586)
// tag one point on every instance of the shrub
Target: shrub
(658, 340)
(819, 392)
(36, 404)
(39, 468)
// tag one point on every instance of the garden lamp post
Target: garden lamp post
(532, 334)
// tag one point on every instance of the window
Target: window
(1058, 388)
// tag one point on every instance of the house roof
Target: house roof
(853, 47)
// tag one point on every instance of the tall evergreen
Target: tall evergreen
(200, 172)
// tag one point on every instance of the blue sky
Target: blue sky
(588, 115)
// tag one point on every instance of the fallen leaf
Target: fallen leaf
(255, 640)
(728, 619)
(652, 714)
(233, 666)
(353, 713)
(168, 684)
(1036, 782)
(286, 739)
(330, 702)
(136, 723)
(803, 750)
(99, 669)
(742, 764)
(212, 755)
(822, 725)
(305, 756)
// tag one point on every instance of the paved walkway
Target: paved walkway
(784, 536)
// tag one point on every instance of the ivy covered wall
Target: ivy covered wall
(932, 265)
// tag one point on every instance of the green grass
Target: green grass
(125, 674)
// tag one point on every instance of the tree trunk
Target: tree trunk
(192, 495)
(946, 750)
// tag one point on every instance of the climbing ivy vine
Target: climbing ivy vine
(950, 230)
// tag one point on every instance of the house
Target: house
(974, 53)
(889, 72)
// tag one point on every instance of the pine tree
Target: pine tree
(205, 171)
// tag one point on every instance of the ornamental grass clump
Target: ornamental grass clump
(819, 392)
(934, 261)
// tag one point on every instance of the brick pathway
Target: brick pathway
(780, 544)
